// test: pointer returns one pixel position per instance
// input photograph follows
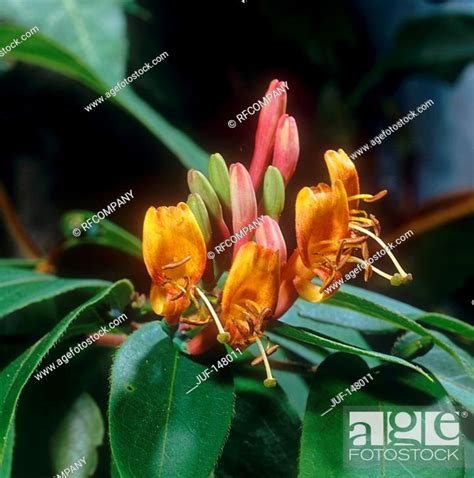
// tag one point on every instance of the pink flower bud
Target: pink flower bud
(269, 235)
(265, 135)
(243, 202)
(287, 147)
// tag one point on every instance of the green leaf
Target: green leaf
(14, 377)
(6, 464)
(105, 234)
(410, 346)
(324, 436)
(444, 47)
(312, 354)
(343, 333)
(293, 384)
(20, 288)
(94, 32)
(328, 313)
(86, 42)
(312, 338)
(365, 306)
(449, 373)
(157, 427)
(336, 311)
(21, 263)
(447, 323)
(12, 275)
(264, 436)
(79, 434)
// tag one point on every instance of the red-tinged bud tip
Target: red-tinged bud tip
(287, 147)
(269, 235)
(274, 106)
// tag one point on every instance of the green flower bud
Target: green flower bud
(197, 206)
(198, 183)
(219, 178)
(273, 192)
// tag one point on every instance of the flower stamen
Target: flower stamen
(396, 279)
(270, 381)
(362, 219)
(381, 273)
(174, 265)
(269, 351)
(369, 197)
(223, 337)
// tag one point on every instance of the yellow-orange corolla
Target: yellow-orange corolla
(250, 293)
(175, 256)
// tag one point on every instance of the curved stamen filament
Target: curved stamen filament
(375, 269)
(270, 381)
(387, 249)
(358, 211)
(369, 197)
(184, 291)
(362, 219)
(223, 336)
(174, 265)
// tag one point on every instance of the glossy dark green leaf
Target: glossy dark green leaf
(312, 338)
(447, 323)
(330, 312)
(20, 288)
(105, 233)
(371, 308)
(337, 310)
(324, 435)
(79, 434)
(158, 427)
(14, 377)
(264, 437)
(64, 46)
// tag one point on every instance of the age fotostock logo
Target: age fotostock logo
(425, 437)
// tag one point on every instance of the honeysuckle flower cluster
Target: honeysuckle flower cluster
(234, 297)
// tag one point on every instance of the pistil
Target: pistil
(270, 381)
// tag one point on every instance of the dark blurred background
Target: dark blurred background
(222, 55)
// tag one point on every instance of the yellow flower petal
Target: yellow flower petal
(250, 288)
(167, 301)
(322, 219)
(341, 167)
(173, 245)
(313, 292)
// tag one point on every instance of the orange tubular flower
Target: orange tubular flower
(175, 257)
(330, 229)
(250, 296)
